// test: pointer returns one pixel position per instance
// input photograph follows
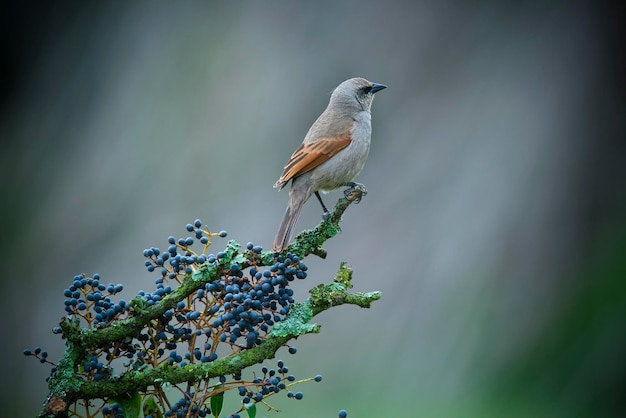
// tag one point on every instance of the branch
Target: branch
(323, 297)
(310, 241)
(67, 385)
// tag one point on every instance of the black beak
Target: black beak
(377, 87)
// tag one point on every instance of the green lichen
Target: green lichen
(297, 323)
(344, 275)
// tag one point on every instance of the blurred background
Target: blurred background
(495, 223)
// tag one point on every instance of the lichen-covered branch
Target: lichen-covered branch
(310, 241)
(215, 301)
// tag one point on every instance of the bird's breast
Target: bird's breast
(344, 166)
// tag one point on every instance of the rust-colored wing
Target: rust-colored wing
(310, 155)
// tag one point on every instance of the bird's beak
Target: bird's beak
(377, 87)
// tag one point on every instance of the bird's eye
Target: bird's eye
(366, 89)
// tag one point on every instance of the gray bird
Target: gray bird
(333, 152)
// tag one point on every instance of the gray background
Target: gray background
(494, 223)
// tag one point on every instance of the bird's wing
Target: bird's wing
(310, 155)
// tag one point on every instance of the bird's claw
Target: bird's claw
(354, 192)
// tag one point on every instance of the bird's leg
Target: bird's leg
(326, 212)
(351, 188)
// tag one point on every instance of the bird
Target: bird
(332, 153)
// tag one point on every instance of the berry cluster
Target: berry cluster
(273, 381)
(180, 259)
(233, 312)
(90, 299)
(37, 353)
(237, 310)
(251, 303)
(184, 407)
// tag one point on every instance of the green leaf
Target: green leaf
(150, 407)
(130, 403)
(217, 401)
(250, 409)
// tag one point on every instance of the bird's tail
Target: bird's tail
(286, 226)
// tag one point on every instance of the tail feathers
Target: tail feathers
(286, 227)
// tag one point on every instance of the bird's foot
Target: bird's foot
(355, 191)
(326, 215)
